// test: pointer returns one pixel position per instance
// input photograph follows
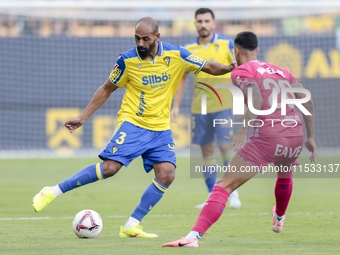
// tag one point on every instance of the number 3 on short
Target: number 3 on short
(121, 139)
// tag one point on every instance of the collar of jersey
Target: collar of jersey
(159, 53)
(213, 39)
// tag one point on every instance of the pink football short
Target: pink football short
(261, 152)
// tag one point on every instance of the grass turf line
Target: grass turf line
(240, 233)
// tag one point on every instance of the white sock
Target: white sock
(56, 191)
(193, 234)
(234, 193)
(279, 219)
(131, 222)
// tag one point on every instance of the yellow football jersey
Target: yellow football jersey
(151, 85)
(220, 49)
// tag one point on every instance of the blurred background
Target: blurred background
(55, 54)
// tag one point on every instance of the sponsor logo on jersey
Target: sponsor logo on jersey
(142, 105)
(238, 80)
(195, 59)
(172, 147)
(243, 81)
(115, 72)
(155, 79)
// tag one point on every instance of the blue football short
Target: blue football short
(131, 141)
(204, 132)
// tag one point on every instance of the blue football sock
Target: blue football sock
(149, 199)
(210, 177)
(88, 175)
(210, 183)
(210, 174)
(227, 157)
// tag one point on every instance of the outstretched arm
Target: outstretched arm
(178, 98)
(214, 68)
(98, 99)
(309, 120)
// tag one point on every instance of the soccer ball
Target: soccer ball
(87, 224)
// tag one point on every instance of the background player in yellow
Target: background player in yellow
(215, 48)
(150, 72)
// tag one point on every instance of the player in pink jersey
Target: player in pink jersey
(277, 137)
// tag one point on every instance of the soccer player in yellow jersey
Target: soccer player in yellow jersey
(150, 72)
(215, 48)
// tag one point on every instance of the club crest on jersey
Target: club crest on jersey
(167, 60)
(114, 149)
(139, 66)
(217, 47)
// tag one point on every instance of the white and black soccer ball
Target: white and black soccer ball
(87, 224)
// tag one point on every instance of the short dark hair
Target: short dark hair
(246, 40)
(204, 10)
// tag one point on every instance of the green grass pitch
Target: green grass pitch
(312, 221)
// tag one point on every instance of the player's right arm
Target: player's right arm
(98, 99)
(309, 120)
(178, 98)
(118, 79)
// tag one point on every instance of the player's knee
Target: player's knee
(208, 149)
(110, 167)
(170, 177)
(225, 148)
(166, 175)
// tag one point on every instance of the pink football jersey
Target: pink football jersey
(267, 77)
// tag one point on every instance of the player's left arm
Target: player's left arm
(196, 64)
(309, 120)
(215, 68)
(240, 138)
